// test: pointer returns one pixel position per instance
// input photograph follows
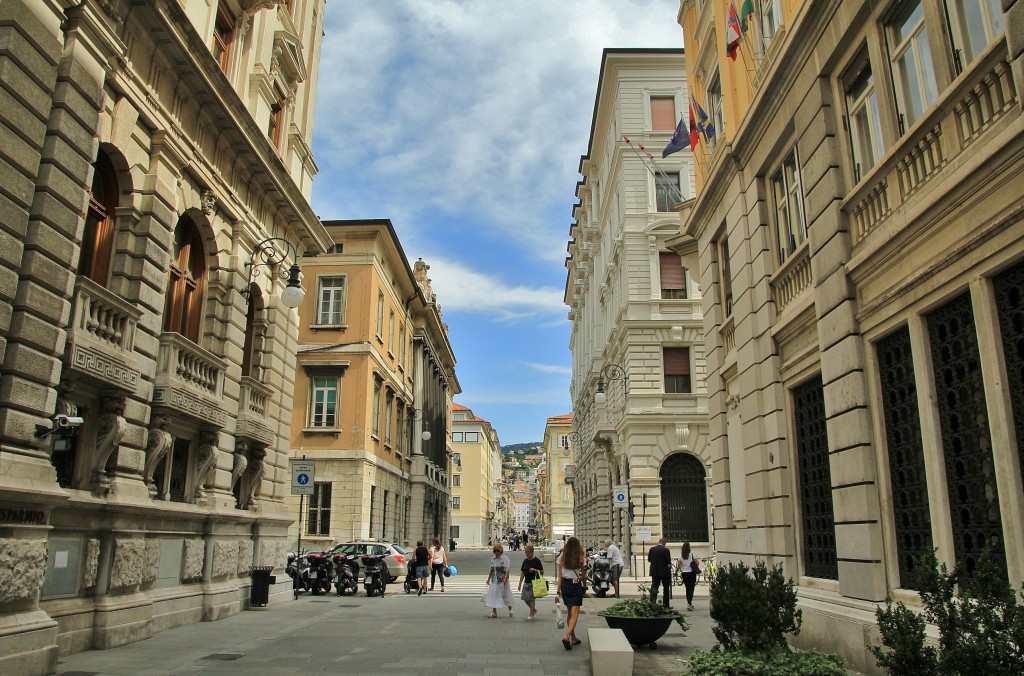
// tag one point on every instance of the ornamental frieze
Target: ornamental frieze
(103, 367)
(244, 556)
(129, 563)
(191, 405)
(21, 569)
(152, 568)
(225, 559)
(252, 429)
(92, 563)
(272, 553)
(192, 569)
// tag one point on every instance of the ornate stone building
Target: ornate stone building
(861, 246)
(149, 151)
(375, 371)
(638, 385)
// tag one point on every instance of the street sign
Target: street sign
(302, 477)
(643, 533)
(620, 496)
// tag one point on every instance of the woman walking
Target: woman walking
(687, 564)
(438, 563)
(570, 587)
(498, 591)
(532, 569)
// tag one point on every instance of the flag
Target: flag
(694, 139)
(704, 124)
(732, 33)
(745, 11)
(678, 140)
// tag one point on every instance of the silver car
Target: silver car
(395, 558)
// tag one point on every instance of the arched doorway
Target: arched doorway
(684, 499)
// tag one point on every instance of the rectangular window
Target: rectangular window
(276, 123)
(319, 514)
(324, 409)
(715, 110)
(380, 314)
(377, 384)
(223, 38)
(456, 502)
(667, 191)
(862, 115)
(768, 20)
(725, 275)
(563, 441)
(791, 228)
(677, 370)
(473, 437)
(663, 113)
(401, 345)
(456, 436)
(974, 25)
(331, 307)
(673, 276)
(457, 459)
(391, 332)
(389, 415)
(373, 504)
(456, 480)
(815, 481)
(911, 61)
(454, 531)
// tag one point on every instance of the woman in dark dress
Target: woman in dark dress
(570, 587)
(532, 569)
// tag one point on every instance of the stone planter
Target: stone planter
(641, 630)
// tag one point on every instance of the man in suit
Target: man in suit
(661, 572)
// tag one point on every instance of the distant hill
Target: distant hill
(520, 449)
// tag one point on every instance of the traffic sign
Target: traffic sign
(620, 496)
(643, 533)
(302, 477)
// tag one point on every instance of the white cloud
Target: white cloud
(461, 289)
(549, 368)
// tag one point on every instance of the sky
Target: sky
(463, 122)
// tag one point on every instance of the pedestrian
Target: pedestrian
(687, 564)
(532, 569)
(616, 562)
(438, 563)
(570, 587)
(661, 572)
(422, 567)
(451, 544)
(499, 593)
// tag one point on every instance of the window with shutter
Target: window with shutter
(677, 370)
(663, 113)
(673, 276)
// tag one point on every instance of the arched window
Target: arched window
(98, 239)
(684, 499)
(184, 308)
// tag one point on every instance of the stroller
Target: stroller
(410, 576)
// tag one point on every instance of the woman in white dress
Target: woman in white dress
(499, 593)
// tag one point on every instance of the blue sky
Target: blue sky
(463, 123)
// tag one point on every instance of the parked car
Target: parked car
(395, 558)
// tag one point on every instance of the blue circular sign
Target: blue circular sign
(303, 479)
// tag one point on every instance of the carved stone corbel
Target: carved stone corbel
(206, 454)
(257, 468)
(110, 429)
(156, 449)
(241, 461)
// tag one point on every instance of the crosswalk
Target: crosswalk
(458, 586)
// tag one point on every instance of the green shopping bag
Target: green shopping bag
(540, 588)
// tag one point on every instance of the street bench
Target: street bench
(610, 652)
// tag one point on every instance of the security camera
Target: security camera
(68, 421)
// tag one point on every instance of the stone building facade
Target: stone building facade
(147, 150)
(639, 383)
(375, 370)
(861, 246)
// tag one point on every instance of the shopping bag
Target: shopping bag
(453, 570)
(559, 620)
(448, 572)
(540, 588)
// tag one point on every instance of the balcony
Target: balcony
(190, 380)
(101, 338)
(792, 278)
(253, 405)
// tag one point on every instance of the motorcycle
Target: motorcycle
(600, 574)
(375, 574)
(346, 573)
(320, 572)
(297, 569)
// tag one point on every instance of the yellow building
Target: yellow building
(861, 247)
(375, 372)
(476, 482)
(558, 505)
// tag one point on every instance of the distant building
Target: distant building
(558, 505)
(477, 498)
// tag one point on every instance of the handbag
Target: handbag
(694, 566)
(582, 580)
(447, 571)
(540, 588)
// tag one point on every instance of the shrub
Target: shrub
(981, 625)
(779, 662)
(642, 607)
(753, 608)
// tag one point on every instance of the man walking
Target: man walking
(661, 572)
(616, 562)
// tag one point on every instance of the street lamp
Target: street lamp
(610, 372)
(271, 252)
(574, 437)
(417, 414)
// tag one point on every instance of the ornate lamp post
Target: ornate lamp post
(271, 253)
(608, 373)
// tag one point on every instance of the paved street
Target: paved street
(434, 634)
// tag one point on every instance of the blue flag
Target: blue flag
(703, 123)
(680, 139)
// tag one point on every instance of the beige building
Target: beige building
(375, 375)
(639, 385)
(156, 177)
(861, 247)
(558, 502)
(476, 481)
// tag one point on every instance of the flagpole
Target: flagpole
(675, 190)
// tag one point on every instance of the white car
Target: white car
(395, 558)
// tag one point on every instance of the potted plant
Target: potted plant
(641, 621)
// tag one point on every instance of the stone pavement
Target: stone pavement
(435, 634)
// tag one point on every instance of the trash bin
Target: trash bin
(259, 592)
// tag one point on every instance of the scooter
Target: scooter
(375, 574)
(298, 570)
(600, 574)
(346, 573)
(320, 572)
